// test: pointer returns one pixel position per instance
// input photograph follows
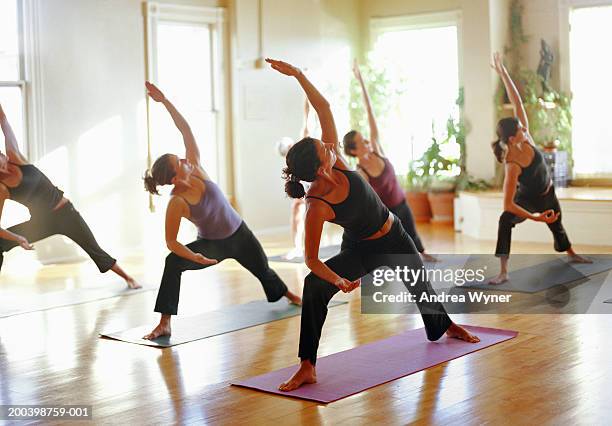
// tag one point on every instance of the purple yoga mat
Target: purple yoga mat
(355, 370)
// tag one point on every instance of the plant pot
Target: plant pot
(419, 204)
(442, 206)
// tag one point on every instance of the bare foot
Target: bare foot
(457, 332)
(132, 283)
(428, 258)
(162, 329)
(500, 279)
(305, 374)
(294, 299)
(575, 258)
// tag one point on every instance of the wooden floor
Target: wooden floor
(557, 371)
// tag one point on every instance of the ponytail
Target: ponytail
(150, 183)
(161, 173)
(302, 164)
(500, 150)
(293, 186)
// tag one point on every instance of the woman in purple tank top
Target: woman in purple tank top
(378, 170)
(222, 234)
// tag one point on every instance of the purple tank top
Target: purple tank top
(214, 217)
(386, 185)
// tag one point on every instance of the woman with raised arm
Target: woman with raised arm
(222, 234)
(51, 213)
(528, 189)
(343, 197)
(378, 170)
(297, 206)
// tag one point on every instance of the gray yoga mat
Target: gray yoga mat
(325, 253)
(16, 303)
(549, 274)
(209, 324)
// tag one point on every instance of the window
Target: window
(12, 85)
(591, 68)
(185, 48)
(421, 57)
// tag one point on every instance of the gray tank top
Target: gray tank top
(213, 215)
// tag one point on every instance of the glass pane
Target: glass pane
(184, 61)
(11, 100)
(591, 89)
(9, 41)
(427, 73)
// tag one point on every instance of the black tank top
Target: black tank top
(35, 191)
(534, 179)
(362, 213)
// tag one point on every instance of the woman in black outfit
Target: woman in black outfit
(342, 196)
(528, 190)
(51, 213)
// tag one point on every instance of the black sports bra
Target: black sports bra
(362, 213)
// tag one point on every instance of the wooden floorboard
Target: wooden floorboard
(557, 371)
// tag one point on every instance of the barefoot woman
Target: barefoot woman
(222, 234)
(341, 196)
(51, 213)
(378, 170)
(528, 189)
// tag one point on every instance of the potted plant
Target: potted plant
(437, 172)
(416, 194)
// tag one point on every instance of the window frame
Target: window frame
(29, 82)
(452, 17)
(215, 17)
(566, 9)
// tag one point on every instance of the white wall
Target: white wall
(316, 34)
(93, 70)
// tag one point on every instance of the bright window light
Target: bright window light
(591, 68)
(9, 41)
(184, 65)
(424, 63)
(11, 94)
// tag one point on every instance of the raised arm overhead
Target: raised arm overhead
(511, 90)
(192, 152)
(329, 134)
(374, 139)
(10, 141)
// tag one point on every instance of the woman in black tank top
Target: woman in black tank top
(342, 196)
(528, 190)
(51, 213)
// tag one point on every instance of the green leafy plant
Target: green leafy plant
(433, 171)
(383, 93)
(549, 113)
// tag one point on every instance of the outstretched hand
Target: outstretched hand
(498, 64)
(284, 67)
(155, 94)
(356, 70)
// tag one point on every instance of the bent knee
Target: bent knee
(506, 219)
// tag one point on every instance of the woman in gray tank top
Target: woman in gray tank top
(222, 234)
(528, 190)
